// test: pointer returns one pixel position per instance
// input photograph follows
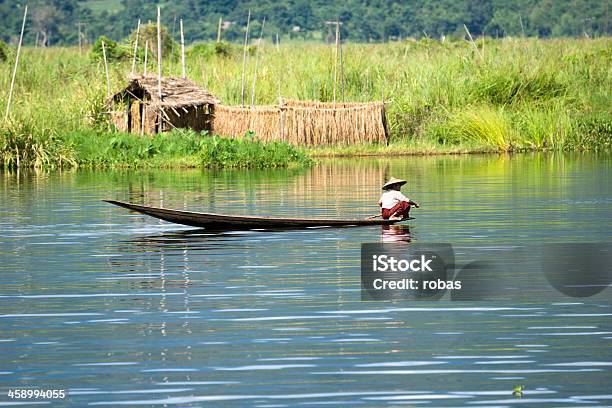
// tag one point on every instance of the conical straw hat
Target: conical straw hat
(393, 181)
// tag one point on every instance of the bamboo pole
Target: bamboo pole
(106, 70)
(79, 24)
(10, 97)
(281, 125)
(135, 47)
(36, 40)
(473, 42)
(143, 118)
(219, 29)
(172, 46)
(159, 66)
(336, 60)
(244, 58)
(341, 67)
(184, 75)
(383, 117)
(146, 55)
(280, 75)
(144, 106)
(483, 46)
(160, 118)
(257, 63)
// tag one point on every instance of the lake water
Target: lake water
(123, 309)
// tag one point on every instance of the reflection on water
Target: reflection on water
(395, 233)
(121, 309)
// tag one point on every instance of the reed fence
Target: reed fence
(306, 123)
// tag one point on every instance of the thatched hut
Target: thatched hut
(138, 107)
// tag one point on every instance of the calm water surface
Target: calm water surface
(122, 309)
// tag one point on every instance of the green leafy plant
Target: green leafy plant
(246, 152)
(5, 51)
(114, 51)
(517, 391)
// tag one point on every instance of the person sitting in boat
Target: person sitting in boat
(395, 206)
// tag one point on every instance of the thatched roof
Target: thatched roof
(176, 92)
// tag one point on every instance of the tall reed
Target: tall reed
(543, 92)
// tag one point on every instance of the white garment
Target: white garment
(391, 197)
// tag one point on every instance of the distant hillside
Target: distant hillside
(54, 22)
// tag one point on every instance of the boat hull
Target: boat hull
(220, 221)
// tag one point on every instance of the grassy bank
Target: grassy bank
(506, 95)
(26, 146)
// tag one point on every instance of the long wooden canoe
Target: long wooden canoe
(220, 221)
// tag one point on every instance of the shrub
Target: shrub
(148, 33)
(114, 50)
(210, 49)
(4, 51)
(224, 49)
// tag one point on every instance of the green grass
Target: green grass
(23, 144)
(179, 148)
(526, 94)
(246, 152)
(482, 125)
